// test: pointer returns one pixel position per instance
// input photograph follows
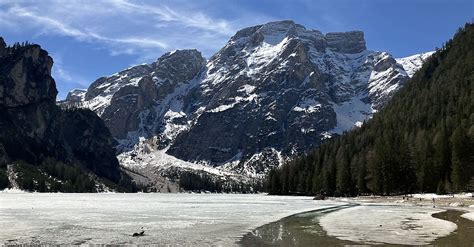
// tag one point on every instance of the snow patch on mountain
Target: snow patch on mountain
(351, 114)
(262, 55)
(146, 154)
(308, 105)
(413, 63)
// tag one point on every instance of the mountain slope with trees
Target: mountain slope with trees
(422, 141)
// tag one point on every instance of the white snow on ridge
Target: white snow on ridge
(262, 55)
(413, 63)
(236, 101)
(98, 103)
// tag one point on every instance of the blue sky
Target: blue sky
(89, 39)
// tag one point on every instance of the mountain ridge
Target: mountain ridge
(274, 90)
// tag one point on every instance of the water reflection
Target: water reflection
(296, 230)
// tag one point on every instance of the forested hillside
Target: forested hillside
(422, 141)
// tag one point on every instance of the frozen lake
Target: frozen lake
(218, 220)
(177, 219)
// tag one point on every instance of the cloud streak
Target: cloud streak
(120, 26)
(165, 13)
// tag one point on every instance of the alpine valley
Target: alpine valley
(272, 92)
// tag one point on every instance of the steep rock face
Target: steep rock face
(348, 42)
(26, 78)
(122, 114)
(272, 91)
(33, 129)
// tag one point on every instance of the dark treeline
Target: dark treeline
(17, 46)
(422, 141)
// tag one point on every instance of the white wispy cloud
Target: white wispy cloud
(119, 25)
(50, 24)
(188, 19)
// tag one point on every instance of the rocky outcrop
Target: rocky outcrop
(122, 115)
(76, 95)
(25, 73)
(348, 42)
(34, 130)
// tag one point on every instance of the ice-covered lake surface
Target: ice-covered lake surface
(211, 219)
(176, 219)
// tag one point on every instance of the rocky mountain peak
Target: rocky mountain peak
(269, 31)
(273, 33)
(179, 65)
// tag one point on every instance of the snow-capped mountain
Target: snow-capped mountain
(273, 91)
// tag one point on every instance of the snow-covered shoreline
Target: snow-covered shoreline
(389, 224)
(383, 219)
(449, 201)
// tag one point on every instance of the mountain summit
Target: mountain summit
(273, 91)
